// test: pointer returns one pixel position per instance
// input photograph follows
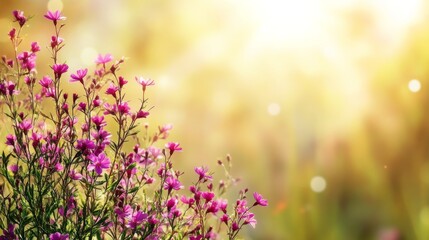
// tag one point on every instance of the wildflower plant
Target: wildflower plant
(67, 176)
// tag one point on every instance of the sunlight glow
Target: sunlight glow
(54, 5)
(414, 85)
(88, 56)
(318, 184)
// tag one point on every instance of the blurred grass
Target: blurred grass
(338, 72)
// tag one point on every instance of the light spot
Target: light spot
(88, 56)
(414, 85)
(55, 5)
(318, 184)
(273, 109)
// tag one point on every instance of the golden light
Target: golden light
(273, 109)
(88, 56)
(414, 85)
(55, 5)
(318, 184)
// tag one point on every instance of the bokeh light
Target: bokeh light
(318, 184)
(414, 85)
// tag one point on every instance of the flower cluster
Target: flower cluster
(68, 177)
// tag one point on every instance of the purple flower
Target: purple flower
(14, 168)
(260, 200)
(145, 82)
(112, 89)
(58, 236)
(19, 17)
(98, 163)
(79, 76)
(173, 146)
(8, 234)
(35, 47)
(45, 82)
(54, 16)
(85, 145)
(59, 69)
(123, 108)
(208, 196)
(172, 183)
(138, 218)
(103, 59)
(27, 60)
(75, 175)
(124, 212)
(55, 41)
(202, 172)
(12, 33)
(25, 125)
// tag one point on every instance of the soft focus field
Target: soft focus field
(323, 105)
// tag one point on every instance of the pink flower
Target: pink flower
(123, 108)
(19, 17)
(208, 196)
(202, 172)
(98, 163)
(103, 59)
(112, 89)
(145, 82)
(58, 236)
(35, 47)
(54, 16)
(259, 200)
(45, 81)
(55, 41)
(59, 69)
(172, 183)
(14, 168)
(79, 76)
(124, 212)
(25, 125)
(138, 218)
(122, 82)
(12, 33)
(173, 146)
(75, 175)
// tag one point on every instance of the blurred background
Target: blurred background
(322, 104)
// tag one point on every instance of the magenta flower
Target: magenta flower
(123, 108)
(45, 81)
(145, 82)
(124, 212)
(8, 234)
(12, 33)
(13, 168)
(173, 146)
(260, 200)
(55, 41)
(54, 16)
(58, 236)
(19, 17)
(98, 163)
(208, 196)
(79, 76)
(25, 125)
(35, 47)
(202, 172)
(172, 183)
(75, 175)
(112, 89)
(138, 218)
(59, 69)
(103, 59)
